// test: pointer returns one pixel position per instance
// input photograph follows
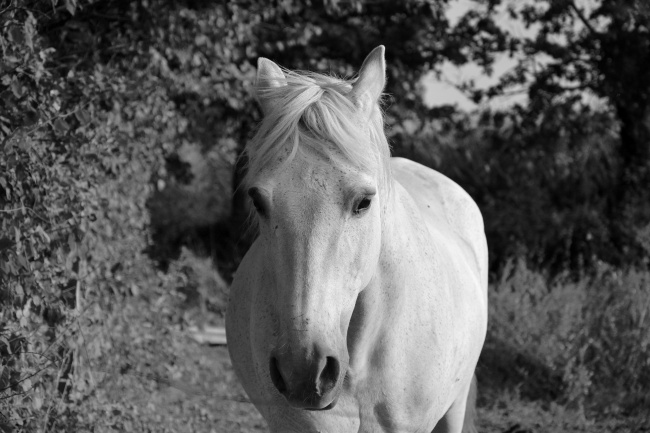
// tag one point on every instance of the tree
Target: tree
(603, 49)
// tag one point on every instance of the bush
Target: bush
(545, 180)
(78, 150)
(584, 344)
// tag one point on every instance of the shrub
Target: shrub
(589, 339)
(545, 180)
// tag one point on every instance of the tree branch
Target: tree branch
(11, 385)
(583, 86)
(582, 18)
(8, 8)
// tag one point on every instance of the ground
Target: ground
(203, 395)
(145, 373)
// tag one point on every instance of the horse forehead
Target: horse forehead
(316, 178)
(308, 194)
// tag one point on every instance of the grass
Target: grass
(569, 355)
(569, 349)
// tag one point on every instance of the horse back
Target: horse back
(447, 210)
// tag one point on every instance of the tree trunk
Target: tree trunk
(629, 204)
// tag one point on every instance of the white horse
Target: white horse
(362, 304)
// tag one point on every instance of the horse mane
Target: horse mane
(307, 109)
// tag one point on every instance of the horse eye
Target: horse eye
(258, 201)
(362, 206)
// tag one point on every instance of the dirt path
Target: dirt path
(196, 391)
(210, 389)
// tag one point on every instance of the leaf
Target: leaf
(41, 232)
(4, 372)
(37, 402)
(72, 241)
(30, 30)
(71, 6)
(23, 262)
(8, 268)
(11, 62)
(5, 243)
(82, 116)
(17, 89)
(61, 126)
(26, 384)
(5, 345)
(20, 292)
(45, 54)
(26, 143)
(17, 35)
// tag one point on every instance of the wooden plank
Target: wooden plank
(211, 335)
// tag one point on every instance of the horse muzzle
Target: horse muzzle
(308, 379)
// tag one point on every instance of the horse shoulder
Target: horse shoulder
(444, 204)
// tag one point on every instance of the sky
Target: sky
(441, 85)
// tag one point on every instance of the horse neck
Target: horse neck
(379, 303)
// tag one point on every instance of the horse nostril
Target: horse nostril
(330, 374)
(276, 376)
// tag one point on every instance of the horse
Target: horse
(361, 305)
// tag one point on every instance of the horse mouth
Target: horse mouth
(315, 404)
(328, 407)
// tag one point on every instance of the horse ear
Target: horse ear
(372, 79)
(269, 75)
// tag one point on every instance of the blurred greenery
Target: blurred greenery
(601, 48)
(121, 123)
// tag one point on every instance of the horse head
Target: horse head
(317, 179)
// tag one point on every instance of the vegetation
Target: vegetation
(602, 50)
(567, 341)
(120, 127)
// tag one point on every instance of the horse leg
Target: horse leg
(460, 416)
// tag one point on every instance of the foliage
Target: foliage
(43, 220)
(542, 180)
(588, 340)
(74, 173)
(600, 48)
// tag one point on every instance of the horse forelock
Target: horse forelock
(310, 109)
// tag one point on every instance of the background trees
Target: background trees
(587, 49)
